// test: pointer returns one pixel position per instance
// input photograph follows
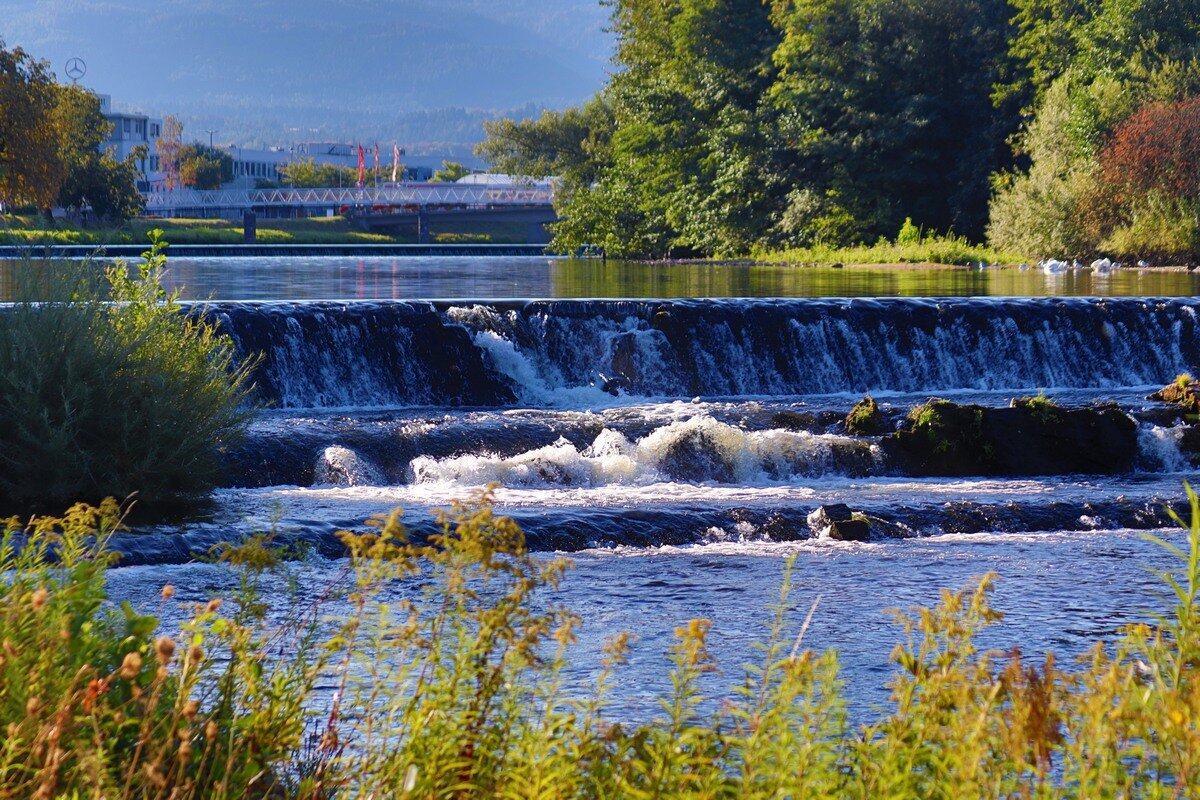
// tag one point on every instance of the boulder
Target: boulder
(1183, 392)
(1031, 437)
(837, 521)
(865, 419)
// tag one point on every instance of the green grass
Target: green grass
(927, 249)
(31, 230)
(442, 669)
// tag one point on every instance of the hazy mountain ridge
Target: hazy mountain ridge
(272, 69)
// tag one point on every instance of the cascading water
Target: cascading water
(558, 353)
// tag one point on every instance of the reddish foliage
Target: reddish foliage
(1158, 148)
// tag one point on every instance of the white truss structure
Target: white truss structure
(444, 195)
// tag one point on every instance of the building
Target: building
(250, 166)
(129, 131)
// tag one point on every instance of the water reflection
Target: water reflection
(333, 278)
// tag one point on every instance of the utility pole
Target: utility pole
(210, 139)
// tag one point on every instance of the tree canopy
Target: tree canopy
(51, 145)
(734, 125)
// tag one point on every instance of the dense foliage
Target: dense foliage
(50, 145)
(1101, 74)
(445, 673)
(107, 398)
(308, 174)
(203, 167)
(732, 126)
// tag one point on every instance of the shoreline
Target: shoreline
(274, 250)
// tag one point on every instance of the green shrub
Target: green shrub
(102, 398)
(457, 688)
(909, 233)
(1160, 229)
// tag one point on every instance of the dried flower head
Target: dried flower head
(38, 598)
(131, 666)
(164, 648)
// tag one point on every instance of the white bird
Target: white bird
(1102, 264)
(1143, 264)
(1053, 266)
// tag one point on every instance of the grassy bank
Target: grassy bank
(443, 674)
(919, 249)
(309, 230)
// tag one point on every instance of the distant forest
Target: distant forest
(1059, 128)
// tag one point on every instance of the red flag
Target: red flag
(362, 167)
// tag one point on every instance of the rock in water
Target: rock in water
(1184, 392)
(865, 419)
(1033, 437)
(838, 522)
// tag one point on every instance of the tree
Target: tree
(307, 174)
(450, 172)
(564, 144)
(887, 112)
(170, 149)
(204, 167)
(30, 169)
(93, 178)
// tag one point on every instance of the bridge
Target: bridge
(422, 206)
(413, 196)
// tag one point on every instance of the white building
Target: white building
(129, 131)
(251, 165)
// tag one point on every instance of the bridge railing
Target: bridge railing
(425, 194)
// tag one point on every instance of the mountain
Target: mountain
(299, 69)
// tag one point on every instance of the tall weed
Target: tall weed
(441, 674)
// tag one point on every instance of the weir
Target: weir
(559, 353)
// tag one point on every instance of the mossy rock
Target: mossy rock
(1028, 438)
(1183, 392)
(865, 419)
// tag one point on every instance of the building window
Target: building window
(126, 125)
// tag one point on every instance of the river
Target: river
(682, 491)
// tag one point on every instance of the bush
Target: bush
(455, 687)
(1039, 214)
(101, 398)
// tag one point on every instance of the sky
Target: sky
(299, 69)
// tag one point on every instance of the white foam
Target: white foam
(697, 449)
(1159, 449)
(341, 466)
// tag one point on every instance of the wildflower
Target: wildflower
(168, 591)
(95, 688)
(195, 654)
(131, 666)
(190, 709)
(213, 605)
(32, 705)
(38, 598)
(210, 730)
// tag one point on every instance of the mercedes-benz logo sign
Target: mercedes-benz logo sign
(76, 69)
